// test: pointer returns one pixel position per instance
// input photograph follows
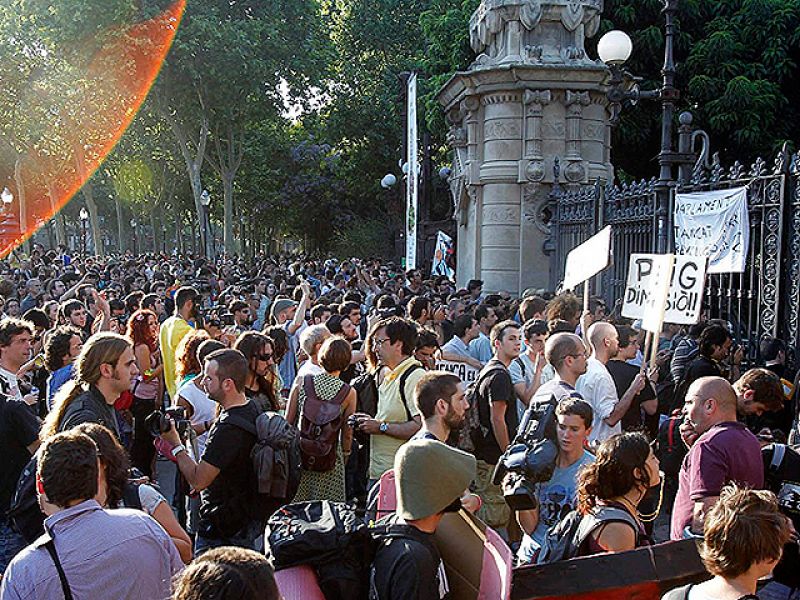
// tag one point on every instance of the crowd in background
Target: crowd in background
(91, 348)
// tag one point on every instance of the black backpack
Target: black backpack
(474, 433)
(670, 448)
(366, 393)
(330, 537)
(565, 539)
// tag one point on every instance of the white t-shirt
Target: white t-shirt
(10, 385)
(205, 409)
(598, 389)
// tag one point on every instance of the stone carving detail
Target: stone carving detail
(501, 130)
(501, 215)
(536, 207)
(499, 30)
(535, 170)
(575, 171)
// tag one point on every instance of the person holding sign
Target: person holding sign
(624, 373)
(597, 386)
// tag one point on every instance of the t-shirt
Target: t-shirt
(288, 364)
(598, 389)
(173, 330)
(557, 497)
(382, 448)
(496, 387)
(19, 428)
(481, 348)
(204, 409)
(726, 453)
(223, 504)
(9, 385)
(623, 375)
(408, 566)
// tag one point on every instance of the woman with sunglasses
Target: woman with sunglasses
(259, 385)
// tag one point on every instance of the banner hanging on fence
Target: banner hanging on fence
(412, 190)
(443, 257)
(685, 297)
(588, 259)
(463, 371)
(715, 224)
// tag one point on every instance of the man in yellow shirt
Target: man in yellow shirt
(174, 329)
(397, 417)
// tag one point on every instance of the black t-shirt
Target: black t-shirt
(623, 375)
(701, 367)
(19, 428)
(407, 565)
(496, 387)
(224, 504)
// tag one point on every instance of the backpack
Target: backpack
(330, 537)
(277, 462)
(366, 393)
(474, 432)
(320, 424)
(24, 513)
(670, 448)
(565, 539)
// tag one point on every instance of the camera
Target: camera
(157, 422)
(531, 457)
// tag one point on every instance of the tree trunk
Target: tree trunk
(88, 196)
(23, 207)
(61, 232)
(156, 231)
(120, 238)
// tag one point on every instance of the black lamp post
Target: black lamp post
(614, 49)
(84, 217)
(133, 229)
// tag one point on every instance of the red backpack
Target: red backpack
(320, 423)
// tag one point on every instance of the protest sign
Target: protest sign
(443, 257)
(588, 259)
(685, 297)
(463, 371)
(715, 224)
(657, 290)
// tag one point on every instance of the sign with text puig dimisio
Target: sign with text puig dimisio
(685, 297)
(658, 289)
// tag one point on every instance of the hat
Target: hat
(280, 305)
(429, 476)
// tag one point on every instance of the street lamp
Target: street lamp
(614, 49)
(388, 181)
(164, 237)
(84, 217)
(205, 201)
(133, 228)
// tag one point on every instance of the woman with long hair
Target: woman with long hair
(280, 346)
(259, 387)
(100, 349)
(186, 364)
(60, 351)
(624, 469)
(118, 490)
(147, 388)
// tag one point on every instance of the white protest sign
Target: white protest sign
(463, 371)
(685, 297)
(656, 302)
(715, 224)
(588, 259)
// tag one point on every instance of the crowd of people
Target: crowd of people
(113, 368)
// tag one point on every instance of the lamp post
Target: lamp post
(614, 49)
(205, 201)
(84, 217)
(164, 238)
(133, 229)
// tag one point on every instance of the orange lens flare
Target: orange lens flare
(86, 120)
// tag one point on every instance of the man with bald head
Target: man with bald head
(725, 452)
(566, 353)
(597, 386)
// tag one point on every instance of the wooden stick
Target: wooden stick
(647, 339)
(654, 351)
(584, 331)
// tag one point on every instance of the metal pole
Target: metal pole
(666, 158)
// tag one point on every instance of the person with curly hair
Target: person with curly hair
(260, 386)
(60, 351)
(624, 469)
(147, 387)
(227, 573)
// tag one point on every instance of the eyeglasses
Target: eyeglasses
(379, 341)
(264, 357)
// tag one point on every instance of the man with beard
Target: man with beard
(443, 405)
(557, 496)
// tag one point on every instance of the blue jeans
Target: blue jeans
(245, 538)
(777, 591)
(11, 543)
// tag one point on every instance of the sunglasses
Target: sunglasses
(264, 357)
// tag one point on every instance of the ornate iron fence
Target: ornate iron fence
(762, 301)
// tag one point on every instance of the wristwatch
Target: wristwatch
(178, 449)
(384, 427)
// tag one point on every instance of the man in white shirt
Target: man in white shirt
(465, 329)
(597, 386)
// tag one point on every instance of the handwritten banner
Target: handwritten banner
(588, 259)
(715, 224)
(685, 298)
(463, 371)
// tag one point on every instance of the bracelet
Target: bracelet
(480, 503)
(177, 450)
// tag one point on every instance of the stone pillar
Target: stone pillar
(531, 97)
